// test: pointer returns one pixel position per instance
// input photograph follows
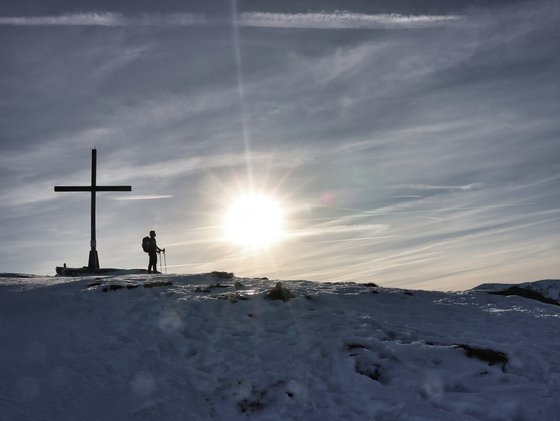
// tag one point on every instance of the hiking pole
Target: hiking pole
(165, 261)
(160, 263)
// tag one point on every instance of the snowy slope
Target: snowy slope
(196, 351)
(548, 287)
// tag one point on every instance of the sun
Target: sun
(254, 220)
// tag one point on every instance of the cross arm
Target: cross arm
(113, 188)
(72, 188)
(90, 188)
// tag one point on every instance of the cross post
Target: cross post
(93, 261)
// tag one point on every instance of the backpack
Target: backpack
(146, 244)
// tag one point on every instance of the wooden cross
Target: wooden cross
(93, 262)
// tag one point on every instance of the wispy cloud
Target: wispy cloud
(334, 228)
(408, 196)
(466, 187)
(335, 20)
(76, 19)
(358, 239)
(343, 20)
(145, 197)
(361, 212)
(104, 19)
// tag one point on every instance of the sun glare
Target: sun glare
(254, 220)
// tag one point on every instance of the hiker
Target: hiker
(152, 249)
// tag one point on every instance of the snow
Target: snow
(196, 350)
(548, 287)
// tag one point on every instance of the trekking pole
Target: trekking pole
(160, 263)
(165, 261)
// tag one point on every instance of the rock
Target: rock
(225, 275)
(485, 354)
(157, 284)
(371, 284)
(526, 293)
(279, 292)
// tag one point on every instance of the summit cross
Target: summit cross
(93, 262)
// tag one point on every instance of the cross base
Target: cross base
(93, 260)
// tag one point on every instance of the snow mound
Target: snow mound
(548, 288)
(17, 275)
(203, 347)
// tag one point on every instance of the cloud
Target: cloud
(108, 19)
(466, 187)
(362, 212)
(78, 19)
(145, 197)
(358, 239)
(335, 20)
(367, 231)
(343, 20)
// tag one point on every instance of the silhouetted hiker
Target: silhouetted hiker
(150, 246)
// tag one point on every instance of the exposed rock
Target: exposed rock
(154, 284)
(485, 354)
(526, 293)
(209, 288)
(279, 292)
(116, 287)
(232, 297)
(17, 275)
(371, 284)
(95, 284)
(225, 275)
(112, 287)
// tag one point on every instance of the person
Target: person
(153, 251)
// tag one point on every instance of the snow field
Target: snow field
(335, 351)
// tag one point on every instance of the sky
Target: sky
(411, 144)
